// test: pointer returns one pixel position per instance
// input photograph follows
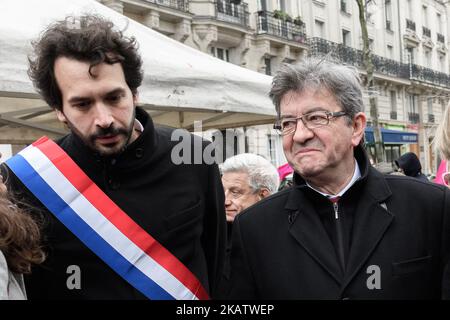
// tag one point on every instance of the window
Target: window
(262, 4)
(410, 54)
(272, 149)
(412, 99)
(346, 41)
(390, 51)
(425, 16)
(413, 116)
(319, 29)
(227, 8)
(430, 110)
(393, 94)
(388, 14)
(371, 42)
(268, 64)
(393, 100)
(427, 56)
(430, 105)
(392, 152)
(282, 5)
(439, 22)
(442, 63)
(344, 5)
(221, 53)
(409, 8)
(371, 9)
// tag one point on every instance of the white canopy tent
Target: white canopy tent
(181, 84)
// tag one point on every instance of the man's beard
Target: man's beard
(105, 150)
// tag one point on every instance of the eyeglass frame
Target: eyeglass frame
(330, 115)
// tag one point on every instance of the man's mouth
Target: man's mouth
(305, 150)
(108, 139)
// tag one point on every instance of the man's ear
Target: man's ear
(263, 192)
(135, 98)
(60, 115)
(359, 125)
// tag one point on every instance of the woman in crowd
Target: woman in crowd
(19, 247)
(442, 142)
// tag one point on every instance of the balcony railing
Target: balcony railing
(426, 32)
(428, 75)
(390, 67)
(175, 4)
(234, 13)
(319, 46)
(289, 30)
(440, 38)
(411, 25)
(354, 57)
(413, 117)
(431, 118)
(393, 115)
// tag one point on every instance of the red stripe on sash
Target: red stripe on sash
(118, 217)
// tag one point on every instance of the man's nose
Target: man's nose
(103, 116)
(227, 199)
(302, 133)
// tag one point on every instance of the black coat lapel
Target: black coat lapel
(372, 219)
(308, 230)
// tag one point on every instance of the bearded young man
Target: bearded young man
(121, 220)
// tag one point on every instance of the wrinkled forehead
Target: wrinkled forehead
(236, 179)
(308, 99)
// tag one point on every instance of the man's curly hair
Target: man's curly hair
(87, 38)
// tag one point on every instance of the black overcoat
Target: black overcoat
(181, 206)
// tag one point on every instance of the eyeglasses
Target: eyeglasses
(311, 120)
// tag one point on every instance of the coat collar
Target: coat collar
(375, 182)
(371, 221)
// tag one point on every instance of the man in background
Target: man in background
(247, 178)
(410, 165)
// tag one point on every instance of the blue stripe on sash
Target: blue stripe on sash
(34, 182)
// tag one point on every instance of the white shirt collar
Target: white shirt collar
(356, 176)
(138, 125)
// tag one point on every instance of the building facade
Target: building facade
(408, 38)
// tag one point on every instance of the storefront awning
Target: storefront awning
(392, 136)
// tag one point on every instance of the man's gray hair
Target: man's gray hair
(314, 73)
(261, 173)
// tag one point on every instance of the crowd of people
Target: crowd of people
(103, 213)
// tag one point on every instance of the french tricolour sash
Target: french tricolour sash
(54, 178)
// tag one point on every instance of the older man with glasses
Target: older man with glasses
(344, 230)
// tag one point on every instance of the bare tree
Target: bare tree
(367, 60)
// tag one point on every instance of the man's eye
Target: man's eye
(114, 98)
(82, 105)
(316, 117)
(236, 194)
(287, 124)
